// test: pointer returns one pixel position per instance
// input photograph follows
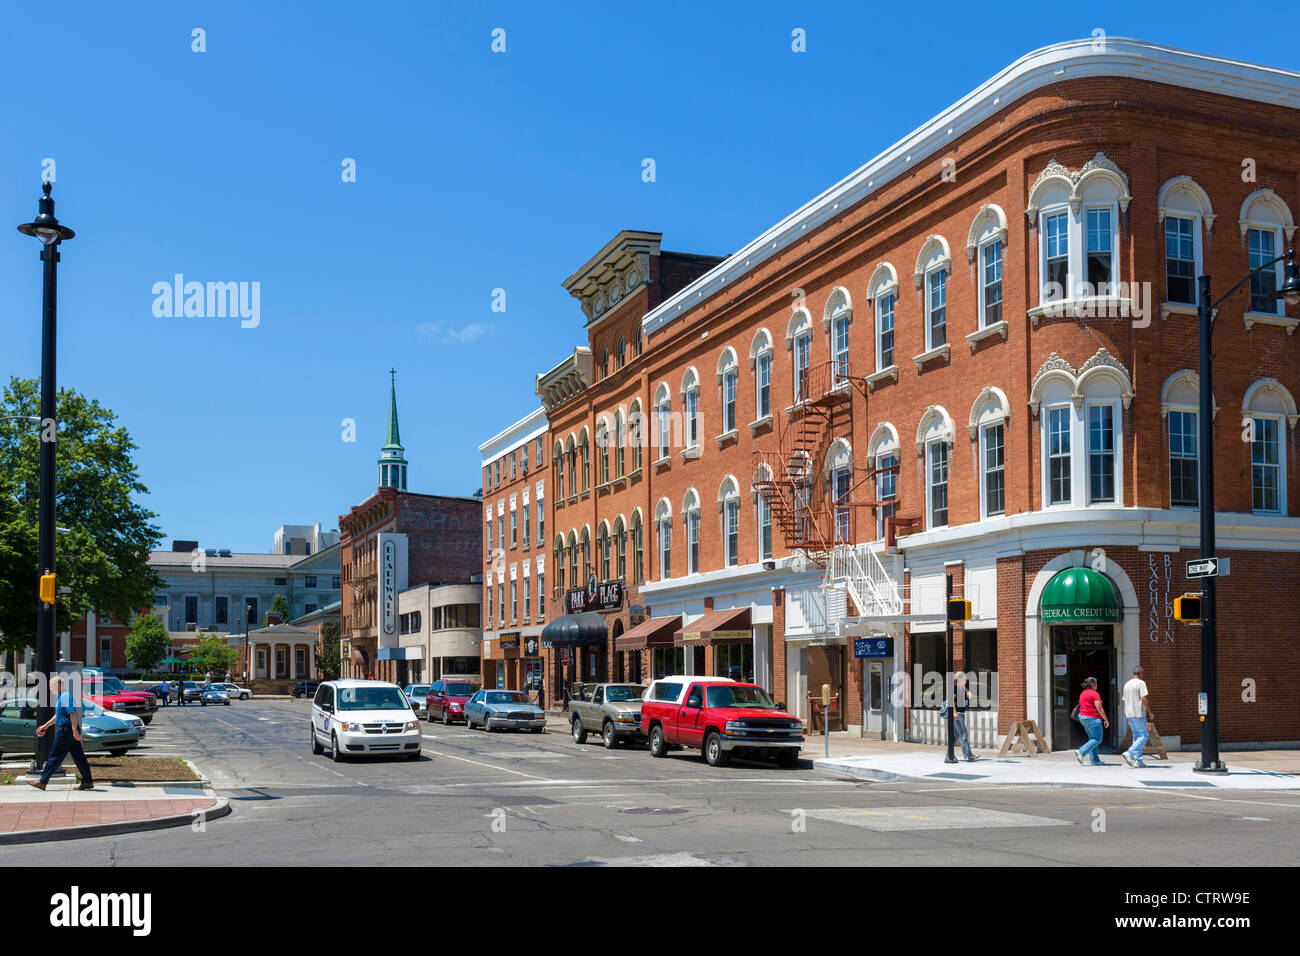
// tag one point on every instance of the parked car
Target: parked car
(417, 694)
(214, 694)
(721, 717)
(102, 731)
(355, 717)
(611, 710)
(447, 698)
(109, 692)
(303, 689)
(192, 690)
(500, 709)
(235, 691)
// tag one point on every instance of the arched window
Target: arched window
(603, 442)
(883, 459)
(933, 265)
(729, 513)
(635, 433)
(760, 360)
(985, 246)
(883, 292)
(602, 549)
(1269, 410)
(664, 416)
(664, 525)
(559, 471)
(1180, 405)
(638, 546)
(1184, 209)
(604, 361)
(622, 351)
(837, 319)
(1268, 229)
(584, 546)
(798, 338)
(691, 527)
(620, 548)
(636, 339)
(620, 440)
(575, 565)
(691, 404)
(559, 564)
(728, 375)
(584, 444)
(934, 439)
(987, 427)
(838, 469)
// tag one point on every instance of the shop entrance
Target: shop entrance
(824, 664)
(1080, 651)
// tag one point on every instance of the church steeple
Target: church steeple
(392, 463)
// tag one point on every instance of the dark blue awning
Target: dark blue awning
(585, 629)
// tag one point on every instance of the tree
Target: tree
(328, 657)
(147, 643)
(278, 606)
(104, 557)
(212, 654)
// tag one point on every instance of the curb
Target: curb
(220, 809)
(886, 776)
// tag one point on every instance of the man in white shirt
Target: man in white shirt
(1136, 710)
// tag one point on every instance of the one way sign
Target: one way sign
(1203, 568)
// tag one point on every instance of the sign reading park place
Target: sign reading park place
(596, 596)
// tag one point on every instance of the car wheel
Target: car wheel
(334, 748)
(117, 753)
(658, 746)
(148, 720)
(713, 752)
(537, 730)
(414, 756)
(428, 716)
(446, 718)
(578, 730)
(611, 738)
(487, 722)
(243, 697)
(787, 758)
(316, 748)
(204, 703)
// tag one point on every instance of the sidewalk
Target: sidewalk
(884, 760)
(60, 812)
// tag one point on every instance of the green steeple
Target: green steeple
(392, 463)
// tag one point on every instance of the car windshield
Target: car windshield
(739, 696)
(90, 708)
(616, 693)
(506, 697)
(371, 698)
(461, 690)
(419, 690)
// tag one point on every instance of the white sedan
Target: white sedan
(236, 692)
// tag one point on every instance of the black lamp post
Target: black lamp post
(47, 229)
(1290, 291)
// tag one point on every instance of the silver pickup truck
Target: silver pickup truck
(611, 710)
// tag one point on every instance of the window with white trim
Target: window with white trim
(936, 326)
(665, 548)
(731, 525)
(841, 487)
(1102, 419)
(1101, 250)
(1267, 488)
(1056, 255)
(691, 522)
(993, 466)
(886, 488)
(691, 402)
(802, 356)
(764, 529)
(1180, 260)
(763, 383)
(990, 302)
(1184, 461)
(937, 482)
(664, 410)
(1058, 425)
(884, 331)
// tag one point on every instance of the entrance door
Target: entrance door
(875, 716)
(826, 666)
(1081, 651)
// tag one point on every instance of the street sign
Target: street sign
(1203, 568)
(873, 647)
(1203, 704)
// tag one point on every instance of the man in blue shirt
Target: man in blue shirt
(67, 739)
(165, 691)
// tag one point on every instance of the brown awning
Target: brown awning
(652, 632)
(731, 624)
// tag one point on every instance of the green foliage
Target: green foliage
(104, 559)
(147, 642)
(328, 657)
(211, 654)
(278, 606)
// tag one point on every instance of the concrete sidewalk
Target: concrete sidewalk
(61, 812)
(883, 760)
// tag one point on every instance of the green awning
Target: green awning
(1080, 596)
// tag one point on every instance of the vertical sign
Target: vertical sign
(389, 573)
(1157, 601)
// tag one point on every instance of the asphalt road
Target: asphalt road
(523, 799)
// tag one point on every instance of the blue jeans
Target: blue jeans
(1093, 726)
(1138, 725)
(64, 744)
(963, 735)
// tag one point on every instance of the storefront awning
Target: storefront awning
(652, 632)
(583, 629)
(731, 624)
(1079, 596)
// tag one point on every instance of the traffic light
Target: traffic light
(958, 610)
(1188, 609)
(47, 588)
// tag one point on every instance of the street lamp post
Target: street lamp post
(47, 229)
(1290, 291)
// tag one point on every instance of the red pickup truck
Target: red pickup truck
(110, 693)
(720, 717)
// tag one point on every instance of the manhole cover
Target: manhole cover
(653, 810)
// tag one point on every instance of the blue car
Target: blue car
(214, 694)
(502, 709)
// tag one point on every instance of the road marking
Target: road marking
(882, 819)
(1260, 803)
(628, 839)
(659, 859)
(479, 763)
(1260, 819)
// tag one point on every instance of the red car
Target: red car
(111, 694)
(720, 717)
(446, 699)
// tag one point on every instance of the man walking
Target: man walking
(67, 740)
(180, 693)
(961, 703)
(165, 691)
(1137, 709)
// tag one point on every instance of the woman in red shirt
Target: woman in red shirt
(1093, 717)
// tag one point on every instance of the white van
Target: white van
(363, 717)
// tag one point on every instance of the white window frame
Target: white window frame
(763, 521)
(890, 297)
(1281, 422)
(730, 527)
(1117, 436)
(1196, 435)
(730, 381)
(1197, 269)
(881, 477)
(1050, 212)
(664, 414)
(1278, 304)
(762, 384)
(1112, 289)
(665, 523)
(1046, 457)
(801, 341)
(930, 342)
(984, 468)
(929, 483)
(982, 293)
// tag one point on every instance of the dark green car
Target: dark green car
(101, 731)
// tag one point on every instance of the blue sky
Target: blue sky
(475, 171)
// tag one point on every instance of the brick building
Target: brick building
(975, 356)
(392, 539)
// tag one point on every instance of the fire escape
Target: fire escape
(817, 514)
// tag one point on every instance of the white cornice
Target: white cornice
(526, 429)
(1072, 60)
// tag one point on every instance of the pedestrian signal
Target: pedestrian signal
(958, 610)
(47, 588)
(1188, 609)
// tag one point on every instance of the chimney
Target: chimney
(273, 617)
